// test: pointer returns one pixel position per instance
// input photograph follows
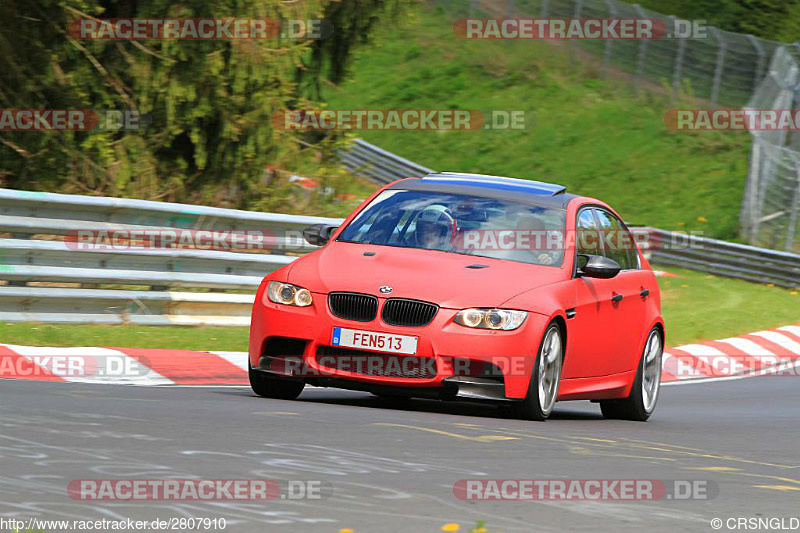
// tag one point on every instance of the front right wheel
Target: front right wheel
(545, 378)
(641, 402)
(269, 386)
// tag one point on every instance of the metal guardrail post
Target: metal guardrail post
(718, 70)
(678, 73)
(792, 227)
(612, 13)
(642, 55)
(576, 15)
(762, 56)
(748, 217)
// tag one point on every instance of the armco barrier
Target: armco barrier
(50, 280)
(367, 160)
(722, 258)
(53, 280)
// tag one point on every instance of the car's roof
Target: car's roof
(512, 189)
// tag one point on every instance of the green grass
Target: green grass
(695, 306)
(590, 133)
(700, 307)
(163, 337)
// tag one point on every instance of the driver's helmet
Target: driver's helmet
(435, 227)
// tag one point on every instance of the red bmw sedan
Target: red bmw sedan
(467, 286)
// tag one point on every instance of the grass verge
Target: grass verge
(590, 133)
(163, 337)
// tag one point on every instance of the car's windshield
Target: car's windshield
(464, 224)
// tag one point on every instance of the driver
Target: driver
(435, 228)
(538, 241)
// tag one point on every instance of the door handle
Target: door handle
(645, 293)
(616, 298)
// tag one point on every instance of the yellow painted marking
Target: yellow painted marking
(595, 440)
(480, 438)
(567, 440)
(664, 444)
(785, 488)
(782, 479)
(586, 451)
(704, 454)
(531, 435)
(715, 468)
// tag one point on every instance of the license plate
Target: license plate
(372, 340)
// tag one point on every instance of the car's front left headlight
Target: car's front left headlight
(287, 294)
(504, 319)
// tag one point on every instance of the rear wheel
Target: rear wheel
(270, 386)
(641, 402)
(543, 388)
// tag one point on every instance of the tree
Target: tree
(207, 103)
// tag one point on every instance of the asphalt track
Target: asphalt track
(393, 469)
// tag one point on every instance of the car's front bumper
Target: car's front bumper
(443, 343)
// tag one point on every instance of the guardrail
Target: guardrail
(722, 258)
(369, 161)
(24, 213)
(150, 285)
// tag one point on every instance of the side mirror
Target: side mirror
(598, 266)
(318, 234)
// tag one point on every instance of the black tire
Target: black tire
(530, 408)
(633, 407)
(269, 386)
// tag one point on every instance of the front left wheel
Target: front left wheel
(270, 386)
(545, 378)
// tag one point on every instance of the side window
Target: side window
(587, 239)
(617, 241)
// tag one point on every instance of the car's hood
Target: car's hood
(439, 277)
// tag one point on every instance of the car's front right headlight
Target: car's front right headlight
(288, 294)
(503, 319)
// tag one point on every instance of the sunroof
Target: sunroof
(497, 182)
